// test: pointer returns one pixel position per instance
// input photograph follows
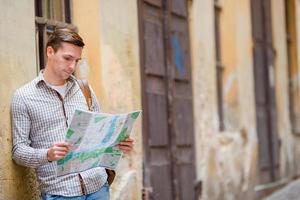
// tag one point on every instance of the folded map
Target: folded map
(94, 137)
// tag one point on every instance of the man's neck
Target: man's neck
(50, 78)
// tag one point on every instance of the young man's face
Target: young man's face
(63, 62)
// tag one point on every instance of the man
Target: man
(41, 112)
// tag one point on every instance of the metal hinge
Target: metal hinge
(146, 193)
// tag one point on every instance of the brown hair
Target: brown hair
(60, 35)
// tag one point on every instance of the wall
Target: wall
(228, 51)
(110, 29)
(281, 77)
(296, 149)
(226, 161)
(18, 66)
(290, 151)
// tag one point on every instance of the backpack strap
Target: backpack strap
(85, 88)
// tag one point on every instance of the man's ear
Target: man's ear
(50, 51)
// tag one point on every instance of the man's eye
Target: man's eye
(67, 58)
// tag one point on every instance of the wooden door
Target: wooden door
(169, 170)
(264, 74)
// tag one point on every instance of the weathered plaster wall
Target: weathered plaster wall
(228, 51)
(297, 3)
(297, 138)
(110, 29)
(282, 91)
(226, 161)
(203, 75)
(290, 150)
(17, 66)
(86, 17)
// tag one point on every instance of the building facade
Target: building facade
(217, 80)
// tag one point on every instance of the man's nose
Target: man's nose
(73, 65)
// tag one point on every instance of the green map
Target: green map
(95, 137)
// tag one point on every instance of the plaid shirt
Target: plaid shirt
(40, 118)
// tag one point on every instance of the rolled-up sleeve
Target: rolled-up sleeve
(22, 152)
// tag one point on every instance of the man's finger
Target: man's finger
(62, 144)
(60, 154)
(127, 148)
(128, 140)
(57, 157)
(126, 143)
(62, 149)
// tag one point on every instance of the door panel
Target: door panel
(260, 75)
(161, 182)
(180, 48)
(169, 169)
(158, 127)
(186, 173)
(154, 53)
(265, 91)
(154, 2)
(264, 158)
(179, 7)
(183, 121)
(257, 22)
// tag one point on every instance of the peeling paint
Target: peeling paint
(178, 55)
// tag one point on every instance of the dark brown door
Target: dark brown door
(265, 91)
(169, 170)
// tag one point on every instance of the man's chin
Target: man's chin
(67, 75)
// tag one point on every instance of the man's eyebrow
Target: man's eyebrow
(69, 55)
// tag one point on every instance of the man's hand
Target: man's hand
(126, 145)
(58, 151)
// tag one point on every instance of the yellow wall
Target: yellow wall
(228, 43)
(18, 66)
(226, 162)
(203, 75)
(297, 138)
(282, 93)
(297, 5)
(110, 30)
(290, 150)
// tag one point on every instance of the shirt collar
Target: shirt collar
(40, 79)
